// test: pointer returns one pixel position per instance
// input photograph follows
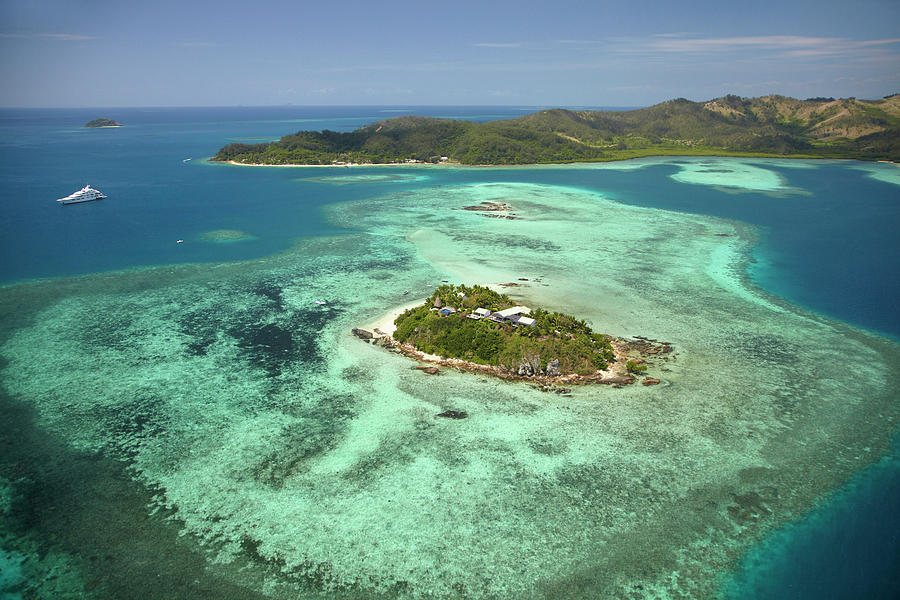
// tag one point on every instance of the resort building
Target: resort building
(507, 313)
(482, 312)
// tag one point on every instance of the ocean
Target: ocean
(173, 388)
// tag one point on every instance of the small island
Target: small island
(474, 328)
(102, 122)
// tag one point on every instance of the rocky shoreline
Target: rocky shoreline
(639, 351)
(496, 210)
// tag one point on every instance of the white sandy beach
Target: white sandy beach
(420, 164)
(385, 323)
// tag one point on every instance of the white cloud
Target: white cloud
(579, 42)
(671, 43)
(783, 46)
(69, 37)
(65, 37)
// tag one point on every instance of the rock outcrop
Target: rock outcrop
(553, 368)
(453, 414)
(549, 379)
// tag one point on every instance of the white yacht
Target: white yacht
(83, 195)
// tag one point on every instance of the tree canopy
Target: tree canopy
(555, 336)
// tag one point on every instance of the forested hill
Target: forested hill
(769, 126)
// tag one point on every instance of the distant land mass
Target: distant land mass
(102, 123)
(769, 126)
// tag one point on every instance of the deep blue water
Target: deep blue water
(154, 197)
(847, 549)
(834, 250)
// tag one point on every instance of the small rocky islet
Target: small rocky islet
(102, 122)
(476, 329)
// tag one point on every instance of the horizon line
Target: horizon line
(353, 105)
(538, 106)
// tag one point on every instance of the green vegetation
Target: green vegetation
(772, 126)
(553, 337)
(415, 138)
(102, 123)
(635, 367)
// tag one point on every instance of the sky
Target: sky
(107, 53)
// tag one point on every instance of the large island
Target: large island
(770, 126)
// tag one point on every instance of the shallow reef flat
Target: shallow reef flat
(725, 173)
(367, 178)
(225, 236)
(285, 447)
(886, 172)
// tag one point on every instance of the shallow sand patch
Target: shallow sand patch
(887, 172)
(736, 174)
(368, 178)
(726, 173)
(226, 236)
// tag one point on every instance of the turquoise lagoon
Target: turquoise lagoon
(185, 419)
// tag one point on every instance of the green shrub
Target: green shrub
(633, 367)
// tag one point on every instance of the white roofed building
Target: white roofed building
(506, 313)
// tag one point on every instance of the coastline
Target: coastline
(379, 333)
(240, 164)
(384, 325)
(615, 375)
(635, 156)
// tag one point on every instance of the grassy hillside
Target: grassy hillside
(766, 126)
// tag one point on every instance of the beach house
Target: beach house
(512, 314)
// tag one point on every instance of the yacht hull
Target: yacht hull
(77, 200)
